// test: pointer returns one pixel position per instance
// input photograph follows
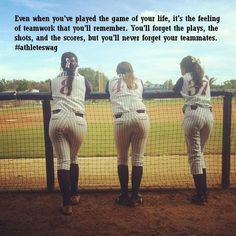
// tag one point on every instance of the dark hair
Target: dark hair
(70, 72)
(124, 67)
(192, 65)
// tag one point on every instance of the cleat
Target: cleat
(123, 200)
(136, 200)
(66, 210)
(205, 196)
(75, 199)
(198, 200)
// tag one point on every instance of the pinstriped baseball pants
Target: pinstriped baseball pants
(131, 129)
(197, 126)
(67, 132)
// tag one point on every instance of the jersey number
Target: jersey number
(193, 89)
(117, 86)
(64, 88)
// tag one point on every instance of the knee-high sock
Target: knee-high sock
(137, 174)
(64, 184)
(123, 173)
(74, 178)
(198, 180)
(204, 186)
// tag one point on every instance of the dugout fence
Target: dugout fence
(26, 154)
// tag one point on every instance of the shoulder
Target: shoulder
(205, 78)
(115, 78)
(58, 78)
(139, 82)
(79, 76)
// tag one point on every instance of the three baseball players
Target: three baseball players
(68, 126)
(198, 120)
(131, 124)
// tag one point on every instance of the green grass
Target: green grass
(165, 137)
(22, 143)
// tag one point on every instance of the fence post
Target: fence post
(48, 146)
(227, 111)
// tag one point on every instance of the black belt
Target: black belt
(79, 114)
(194, 107)
(76, 113)
(56, 111)
(118, 115)
(140, 111)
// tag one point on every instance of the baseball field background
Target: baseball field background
(22, 155)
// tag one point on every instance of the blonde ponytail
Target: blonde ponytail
(126, 71)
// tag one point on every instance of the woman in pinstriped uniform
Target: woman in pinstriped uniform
(198, 120)
(68, 126)
(131, 125)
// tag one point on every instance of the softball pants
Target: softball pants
(197, 126)
(131, 129)
(67, 131)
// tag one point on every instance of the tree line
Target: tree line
(98, 81)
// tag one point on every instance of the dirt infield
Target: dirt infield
(163, 213)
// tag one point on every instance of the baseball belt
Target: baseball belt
(118, 115)
(194, 107)
(76, 113)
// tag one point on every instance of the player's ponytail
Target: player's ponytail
(69, 63)
(69, 84)
(192, 65)
(125, 70)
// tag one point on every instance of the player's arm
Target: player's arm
(107, 88)
(142, 86)
(178, 86)
(50, 86)
(88, 87)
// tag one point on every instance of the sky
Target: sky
(155, 62)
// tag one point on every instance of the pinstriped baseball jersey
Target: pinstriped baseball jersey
(131, 122)
(198, 119)
(124, 99)
(68, 126)
(74, 102)
(194, 95)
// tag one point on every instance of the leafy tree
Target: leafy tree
(168, 84)
(22, 85)
(230, 84)
(2, 85)
(97, 79)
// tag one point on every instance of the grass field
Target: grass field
(22, 138)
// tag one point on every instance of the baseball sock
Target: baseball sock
(204, 186)
(198, 180)
(64, 184)
(123, 173)
(137, 173)
(74, 178)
